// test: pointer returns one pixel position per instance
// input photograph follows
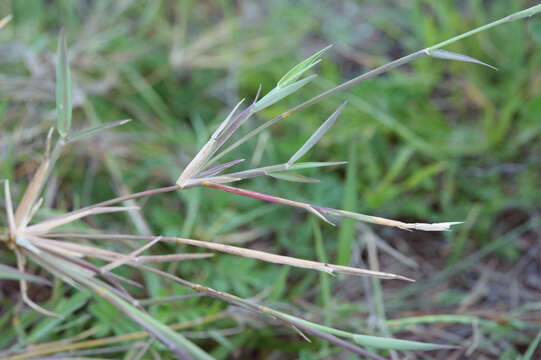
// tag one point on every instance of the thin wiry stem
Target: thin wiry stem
(375, 72)
(235, 250)
(24, 289)
(130, 257)
(67, 218)
(137, 195)
(319, 97)
(9, 210)
(112, 278)
(321, 211)
(262, 309)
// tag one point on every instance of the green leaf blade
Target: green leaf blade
(63, 88)
(293, 177)
(96, 129)
(310, 165)
(292, 75)
(8, 272)
(396, 344)
(449, 55)
(317, 135)
(278, 94)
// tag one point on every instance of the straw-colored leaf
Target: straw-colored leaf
(171, 258)
(63, 88)
(316, 136)
(206, 151)
(50, 224)
(287, 260)
(22, 215)
(444, 226)
(85, 250)
(239, 251)
(5, 20)
(9, 208)
(130, 257)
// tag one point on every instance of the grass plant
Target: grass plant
(78, 257)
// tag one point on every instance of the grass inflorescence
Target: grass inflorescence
(89, 258)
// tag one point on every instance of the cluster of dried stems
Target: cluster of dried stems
(64, 255)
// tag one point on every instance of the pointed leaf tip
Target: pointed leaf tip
(449, 55)
(445, 226)
(317, 135)
(300, 68)
(396, 344)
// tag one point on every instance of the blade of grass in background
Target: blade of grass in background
(531, 349)
(325, 284)
(63, 89)
(7, 272)
(346, 233)
(316, 136)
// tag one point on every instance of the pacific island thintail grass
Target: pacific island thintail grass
(43, 244)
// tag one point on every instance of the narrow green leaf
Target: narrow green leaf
(8, 272)
(278, 94)
(309, 165)
(177, 343)
(294, 177)
(218, 169)
(372, 341)
(531, 349)
(96, 129)
(449, 55)
(63, 88)
(66, 306)
(317, 135)
(324, 278)
(396, 344)
(293, 74)
(155, 327)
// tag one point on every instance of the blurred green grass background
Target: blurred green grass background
(432, 141)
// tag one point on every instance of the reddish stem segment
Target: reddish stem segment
(257, 195)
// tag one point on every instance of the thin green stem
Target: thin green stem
(377, 71)
(516, 16)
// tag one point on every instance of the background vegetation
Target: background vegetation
(432, 141)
